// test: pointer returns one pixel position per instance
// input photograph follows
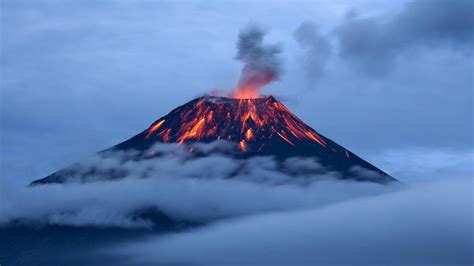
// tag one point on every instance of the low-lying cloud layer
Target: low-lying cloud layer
(183, 188)
(430, 223)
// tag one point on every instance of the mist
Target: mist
(184, 189)
(430, 223)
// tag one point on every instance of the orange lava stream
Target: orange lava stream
(243, 145)
(258, 120)
(285, 138)
(195, 131)
(154, 128)
(248, 134)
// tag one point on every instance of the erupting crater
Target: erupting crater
(251, 123)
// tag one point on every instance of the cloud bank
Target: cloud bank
(110, 188)
(427, 224)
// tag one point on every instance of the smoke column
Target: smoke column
(261, 62)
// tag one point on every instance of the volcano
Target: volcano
(256, 127)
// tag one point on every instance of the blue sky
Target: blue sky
(390, 80)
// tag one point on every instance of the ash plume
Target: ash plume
(262, 64)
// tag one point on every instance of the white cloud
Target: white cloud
(418, 164)
(202, 189)
(427, 224)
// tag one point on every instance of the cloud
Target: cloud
(373, 44)
(317, 50)
(430, 223)
(109, 189)
(421, 164)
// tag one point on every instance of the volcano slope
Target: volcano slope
(260, 127)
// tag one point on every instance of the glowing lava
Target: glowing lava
(249, 122)
(154, 128)
(248, 134)
(251, 80)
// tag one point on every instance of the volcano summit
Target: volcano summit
(258, 127)
(251, 126)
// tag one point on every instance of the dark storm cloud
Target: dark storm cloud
(427, 224)
(374, 43)
(317, 50)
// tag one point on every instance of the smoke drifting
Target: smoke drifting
(261, 62)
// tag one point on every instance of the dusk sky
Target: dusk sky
(385, 79)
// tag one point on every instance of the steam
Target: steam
(261, 62)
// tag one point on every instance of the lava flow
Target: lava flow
(252, 123)
(261, 63)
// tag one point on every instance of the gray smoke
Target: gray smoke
(262, 64)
